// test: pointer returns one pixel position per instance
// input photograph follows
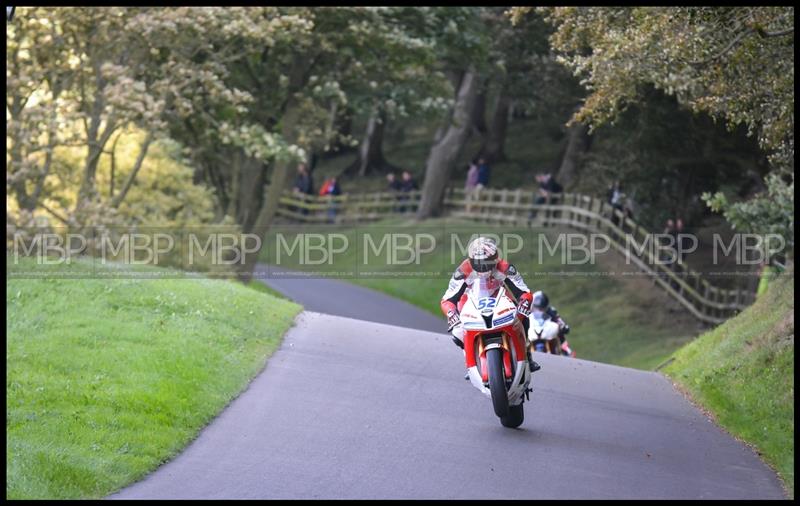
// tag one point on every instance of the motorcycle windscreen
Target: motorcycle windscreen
(484, 288)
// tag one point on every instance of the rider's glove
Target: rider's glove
(452, 320)
(565, 330)
(524, 308)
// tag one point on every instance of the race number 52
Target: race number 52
(486, 303)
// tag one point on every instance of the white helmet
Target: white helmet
(483, 255)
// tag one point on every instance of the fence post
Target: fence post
(589, 206)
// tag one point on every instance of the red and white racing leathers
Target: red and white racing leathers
(465, 278)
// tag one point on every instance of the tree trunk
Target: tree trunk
(370, 152)
(96, 144)
(578, 143)
(444, 154)
(478, 113)
(494, 147)
(250, 192)
(20, 190)
(281, 174)
(116, 201)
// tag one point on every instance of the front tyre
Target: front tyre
(497, 382)
(515, 417)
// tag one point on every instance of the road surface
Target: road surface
(357, 409)
(333, 296)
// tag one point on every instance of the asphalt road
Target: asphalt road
(332, 296)
(356, 409)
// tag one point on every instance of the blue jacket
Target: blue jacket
(483, 174)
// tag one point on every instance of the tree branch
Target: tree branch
(727, 48)
(764, 34)
(113, 165)
(116, 201)
(55, 214)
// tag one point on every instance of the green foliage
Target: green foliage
(109, 378)
(736, 64)
(770, 213)
(666, 156)
(80, 77)
(743, 372)
(535, 80)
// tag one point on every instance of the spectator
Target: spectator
(551, 186)
(394, 184)
(303, 184)
(394, 187)
(682, 241)
(406, 186)
(614, 193)
(670, 227)
(483, 172)
(548, 187)
(332, 188)
(471, 184)
(628, 207)
(616, 199)
(472, 177)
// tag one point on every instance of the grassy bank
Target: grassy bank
(108, 378)
(613, 319)
(743, 373)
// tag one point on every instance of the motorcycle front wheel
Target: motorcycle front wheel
(497, 382)
(515, 417)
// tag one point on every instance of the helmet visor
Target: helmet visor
(483, 265)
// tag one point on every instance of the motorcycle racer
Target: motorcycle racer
(484, 267)
(543, 310)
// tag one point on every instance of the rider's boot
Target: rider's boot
(532, 365)
(566, 350)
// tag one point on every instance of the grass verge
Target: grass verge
(108, 378)
(742, 372)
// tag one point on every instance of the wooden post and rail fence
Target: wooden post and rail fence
(587, 214)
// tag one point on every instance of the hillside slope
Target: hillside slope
(743, 373)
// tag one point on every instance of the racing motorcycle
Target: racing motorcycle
(495, 352)
(543, 335)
